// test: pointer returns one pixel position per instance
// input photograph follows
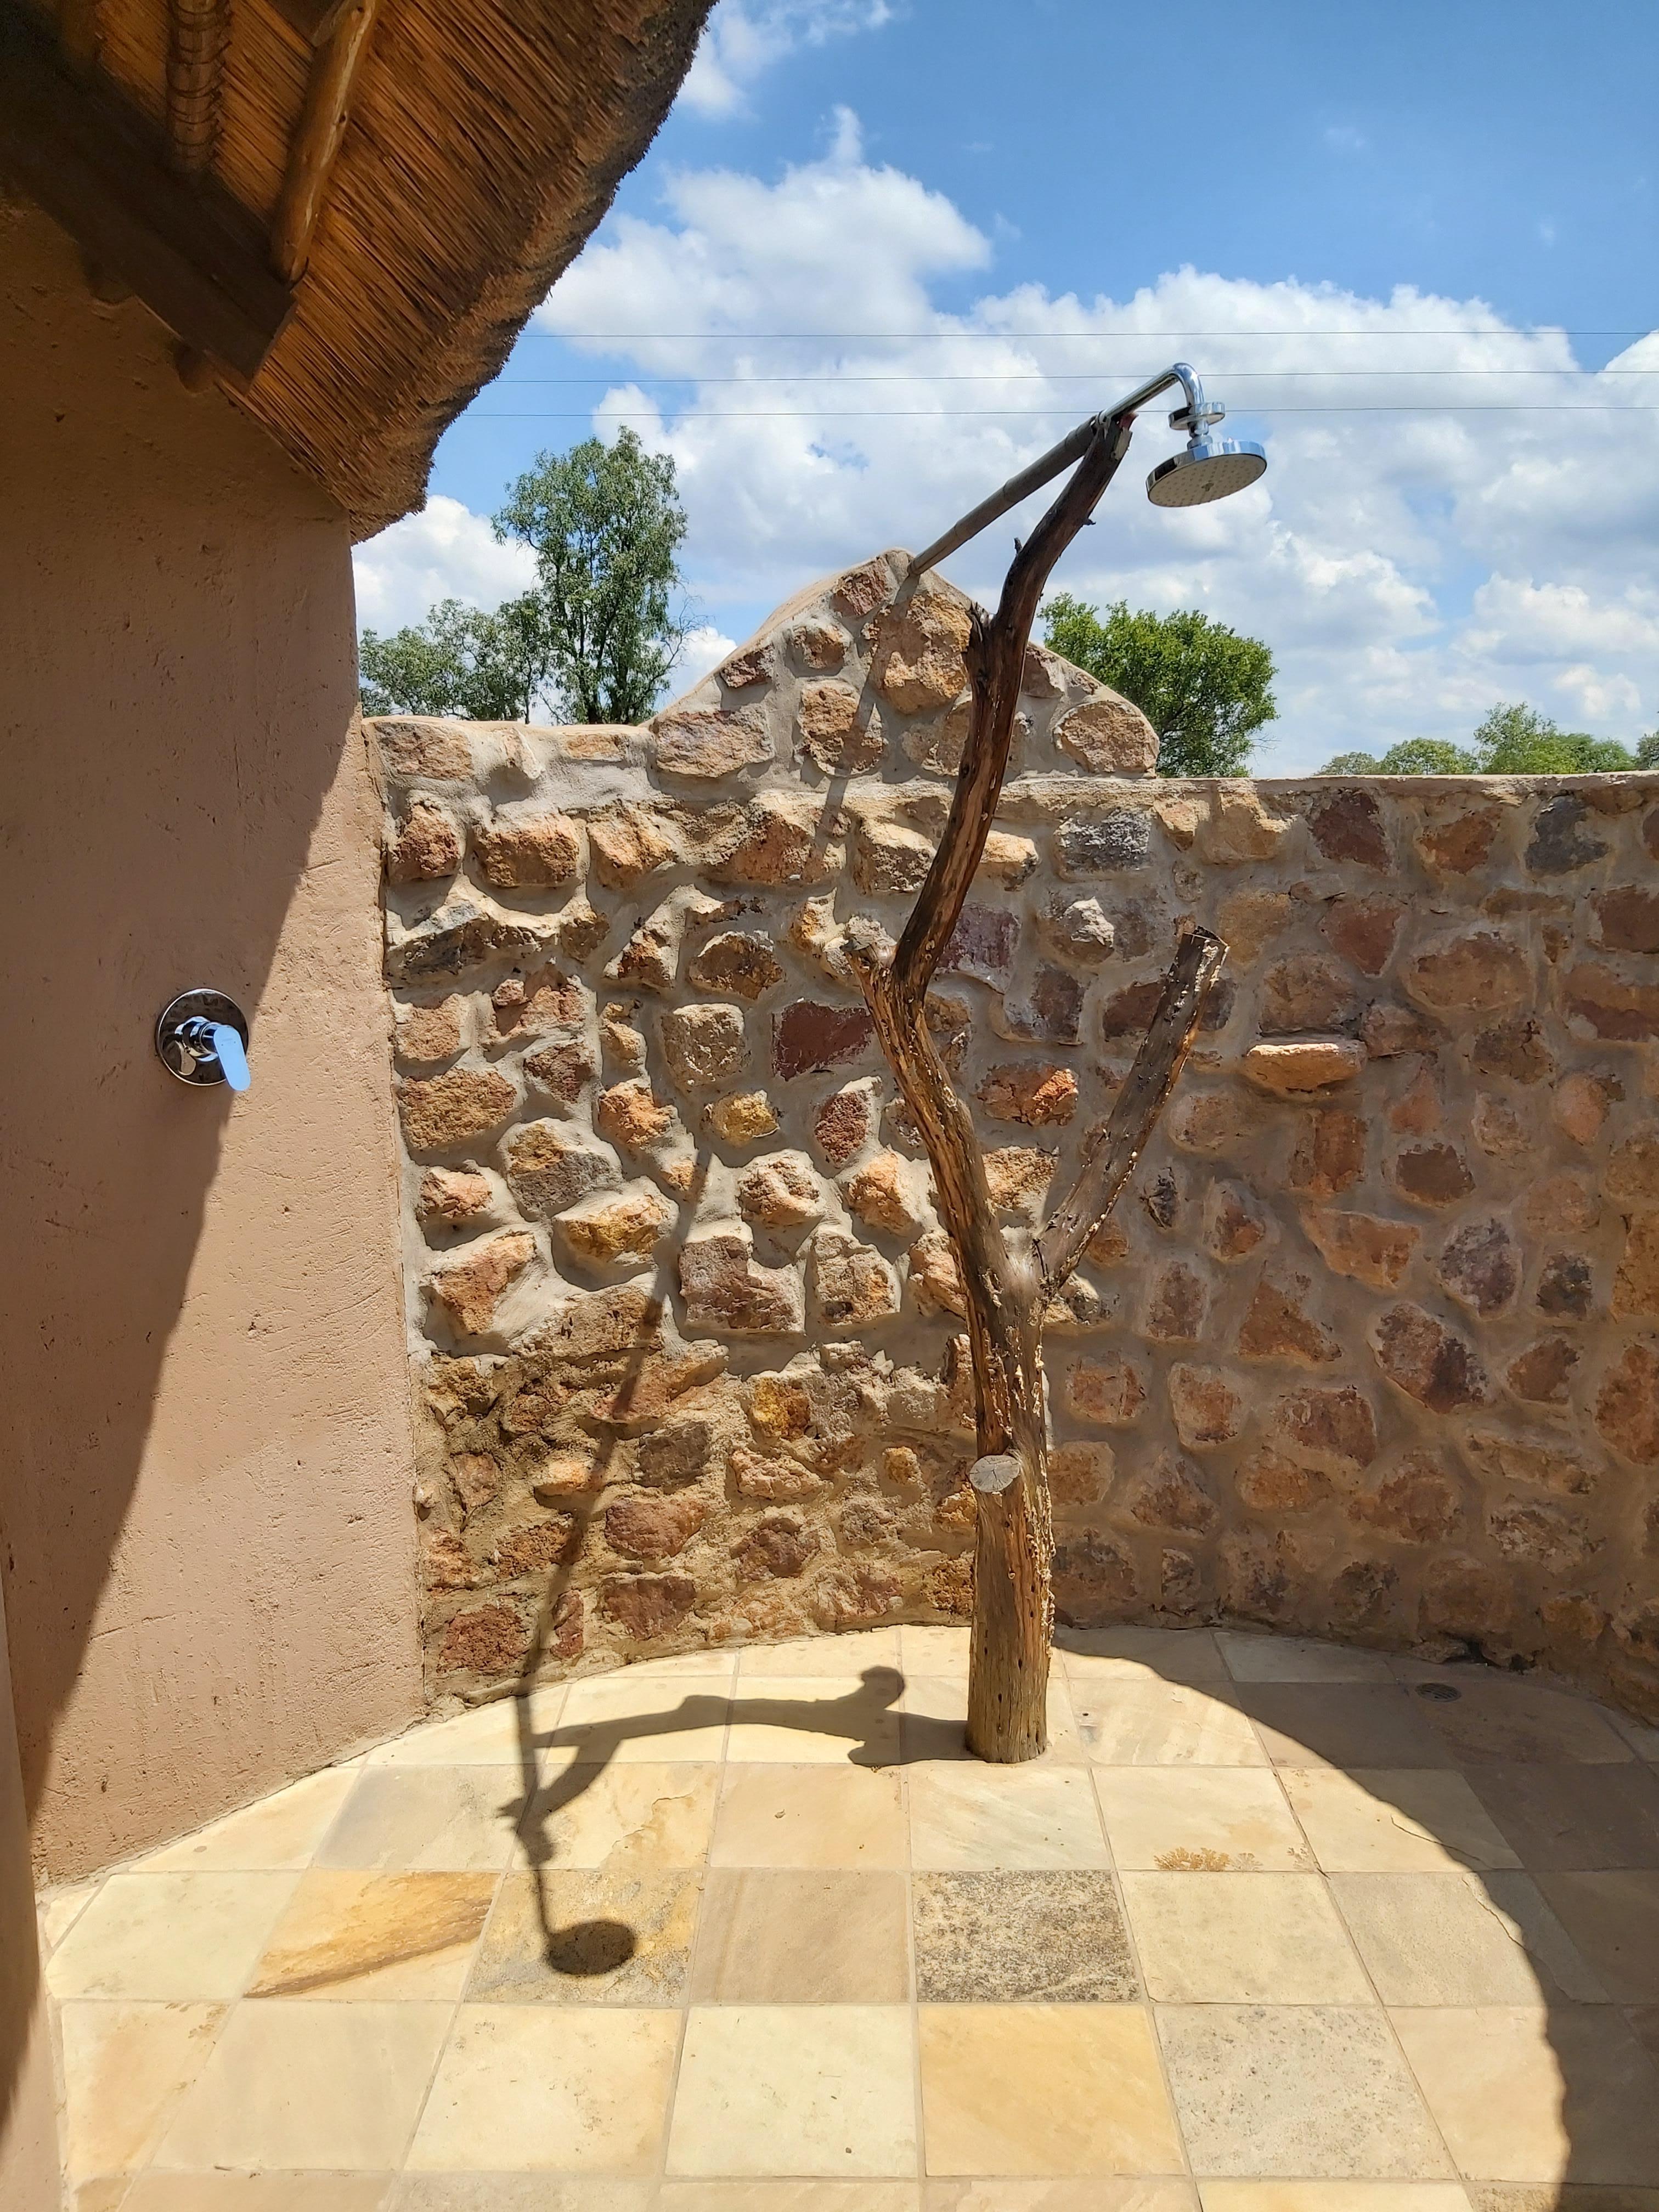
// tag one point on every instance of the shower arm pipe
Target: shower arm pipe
(1071, 448)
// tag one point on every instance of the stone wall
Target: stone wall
(1370, 1348)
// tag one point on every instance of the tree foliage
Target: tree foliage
(1204, 688)
(1514, 739)
(594, 639)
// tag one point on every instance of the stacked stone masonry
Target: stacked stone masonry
(1370, 1348)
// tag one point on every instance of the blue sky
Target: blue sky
(881, 254)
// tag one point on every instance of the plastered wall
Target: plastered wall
(205, 1471)
(1371, 1349)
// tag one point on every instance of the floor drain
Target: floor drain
(1442, 1692)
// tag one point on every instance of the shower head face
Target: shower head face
(1208, 468)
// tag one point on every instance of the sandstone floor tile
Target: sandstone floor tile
(293, 2085)
(1524, 2093)
(1013, 1937)
(260, 2192)
(1152, 1723)
(349, 1935)
(516, 2192)
(280, 1832)
(1441, 1939)
(1332, 2197)
(1393, 1819)
(1241, 1939)
(826, 2090)
(427, 1820)
(632, 1717)
(810, 1816)
(1613, 1919)
(1574, 1818)
(935, 1721)
(1048, 2090)
(715, 1663)
(1492, 1722)
(817, 1720)
(107, 2193)
(548, 2089)
(642, 1815)
(789, 2197)
(933, 1650)
(1160, 1654)
(1346, 1724)
(1309, 2092)
(1641, 1735)
(971, 1814)
(1101, 2192)
(611, 1935)
(493, 1735)
(1199, 1820)
(57, 1911)
(1297, 1659)
(125, 2068)
(169, 1937)
(780, 1936)
(842, 1656)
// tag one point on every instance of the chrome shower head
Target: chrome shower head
(1210, 468)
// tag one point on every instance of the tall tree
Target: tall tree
(594, 639)
(1514, 739)
(1205, 689)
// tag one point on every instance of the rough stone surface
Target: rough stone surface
(704, 1047)
(1315, 1064)
(1109, 736)
(468, 1289)
(528, 852)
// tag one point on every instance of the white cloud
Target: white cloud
(1408, 566)
(744, 39)
(444, 552)
(704, 648)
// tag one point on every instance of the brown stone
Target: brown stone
(1347, 825)
(703, 1046)
(1363, 930)
(779, 1191)
(647, 1606)
(528, 852)
(1008, 860)
(772, 1481)
(724, 1289)
(438, 1112)
(1108, 735)
(860, 591)
(705, 742)
(429, 1033)
(1277, 1326)
(879, 1195)
(1111, 1391)
(817, 644)
(755, 664)
(1267, 1482)
(1543, 1373)
(1206, 1408)
(1608, 1006)
(1464, 1598)
(655, 1527)
(1498, 1130)
(1580, 1107)
(597, 1324)
(1416, 1112)
(1234, 1224)
(1094, 1580)
(853, 1287)
(1633, 1166)
(446, 1563)
(491, 1639)
(1567, 1287)
(427, 848)
(785, 838)
(623, 1043)
(470, 1288)
(890, 861)
(1458, 847)
(674, 1455)
(744, 966)
(1213, 1122)
(457, 938)
(1177, 1303)
(1080, 1474)
(1170, 1494)
(1432, 1175)
(451, 1197)
(1361, 1245)
(934, 1276)
(1476, 971)
(631, 1116)
(743, 1118)
(1513, 1048)
(551, 1164)
(1108, 1247)
(1128, 1013)
(844, 1123)
(534, 1547)
(1313, 1064)
(540, 1003)
(1546, 1465)
(626, 1226)
(1330, 1153)
(808, 1037)
(1627, 919)
(828, 731)
(629, 843)
(1388, 1030)
(1307, 992)
(1562, 1202)
(919, 645)
(1246, 920)
(1427, 1361)
(1332, 1428)
(1636, 1286)
(1025, 1091)
(982, 944)
(1418, 1503)
(1481, 1268)
(1017, 1176)
(476, 1479)
(563, 1071)
(778, 1544)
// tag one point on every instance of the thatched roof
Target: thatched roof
(483, 141)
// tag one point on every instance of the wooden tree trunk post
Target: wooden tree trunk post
(1006, 1291)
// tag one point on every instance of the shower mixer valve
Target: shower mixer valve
(201, 1038)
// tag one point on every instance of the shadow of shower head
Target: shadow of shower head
(1209, 468)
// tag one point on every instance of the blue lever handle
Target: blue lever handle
(232, 1058)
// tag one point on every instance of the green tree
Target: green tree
(1514, 739)
(1204, 689)
(1412, 756)
(596, 637)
